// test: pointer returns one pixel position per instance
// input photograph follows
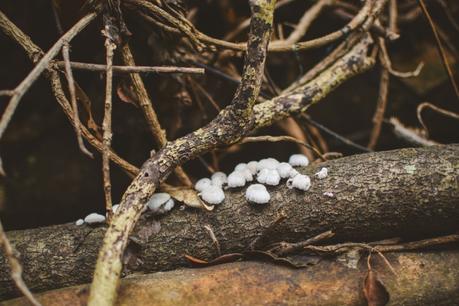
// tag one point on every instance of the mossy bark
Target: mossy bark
(411, 193)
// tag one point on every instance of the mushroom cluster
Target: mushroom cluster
(159, 203)
(267, 171)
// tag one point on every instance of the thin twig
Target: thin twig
(213, 237)
(305, 22)
(132, 69)
(269, 138)
(22, 88)
(34, 53)
(107, 125)
(364, 16)
(15, 267)
(408, 246)
(440, 47)
(283, 248)
(442, 111)
(334, 134)
(410, 135)
(71, 83)
(149, 113)
(381, 104)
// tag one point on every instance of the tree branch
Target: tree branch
(230, 125)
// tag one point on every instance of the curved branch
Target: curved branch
(230, 125)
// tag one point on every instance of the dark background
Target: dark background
(49, 181)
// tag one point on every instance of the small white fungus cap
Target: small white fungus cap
(79, 222)
(213, 195)
(323, 173)
(202, 183)
(284, 170)
(328, 194)
(247, 174)
(160, 203)
(300, 181)
(252, 166)
(94, 218)
(273, 178)
(267, 163)
(257, 193)
(219, 178)
(115, 208)
(293, 172)
(262, 175)
(236, 179)
(298, 160)
(240, 167)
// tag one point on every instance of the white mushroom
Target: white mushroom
(267, 163)
(252, 166)
(240, 167)
(202, 183)
(94, 218)
(273, 178)
(218, 179)
(79, 222)
(293, 172)
(284, 170)
(258, 194)
(323, 173)
(115, 208)
(300, 181)
(262, 175)
(160, 203)
(247, 174)
(236, 179)
(328, 194)
(213, 195)
(298, 160)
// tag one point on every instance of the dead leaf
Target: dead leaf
(374, 290)
(187, 196)
(126, 93)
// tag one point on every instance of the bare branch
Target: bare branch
(132, 69)
(21, 89)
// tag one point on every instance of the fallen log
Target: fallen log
(424, 278)
(412, 193)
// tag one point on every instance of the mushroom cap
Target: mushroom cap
(257, 193)
(323, 173)
(94, 218)
(267, 163)
(284, 169)
(213, 195)
(300, 181)
(219, 178)
(202, 183)
(252, 166)
(236, 179)
(79, 222)
(240, 167)
(157, 200)
(298, 160)
(273, 178)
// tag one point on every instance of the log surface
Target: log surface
(421, 279)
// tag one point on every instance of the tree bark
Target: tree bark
(420, 279)
(411, 193)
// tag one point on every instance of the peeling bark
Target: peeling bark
(421, 279)
(410, 192)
